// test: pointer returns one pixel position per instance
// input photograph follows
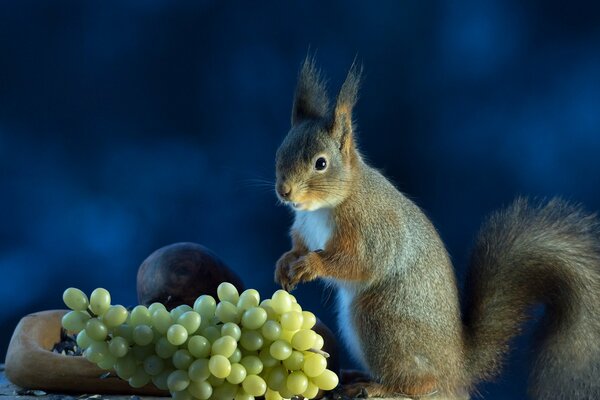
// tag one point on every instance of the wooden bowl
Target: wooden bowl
(31, 364)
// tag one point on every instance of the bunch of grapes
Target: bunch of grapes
(237, 348)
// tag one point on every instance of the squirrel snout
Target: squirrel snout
(284, 190)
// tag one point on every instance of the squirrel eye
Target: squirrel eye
(321, 164)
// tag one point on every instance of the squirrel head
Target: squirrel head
(315, 164)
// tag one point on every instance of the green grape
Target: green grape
(328, 380)
(154, 365)
(83, 340)
(311, 391)
(271, 330)
(118, 346)
(295, 361)
(225, 391)
(267, 305)
(236, 356)
(292, 321)
(141, 352)
(237, 374)
(304, 339)
(182, 395)
(199, 346)
(205, 305)
(96, 351)
(227, 292)
(177, 335)
(224, 346)
(182, 359)
(161, 320)
(272, 395)
(178, 381)
(142, 335)
(214, 381)
(248, 299)
(254, 385)
(99, 301)
(179, 310)
(319, 342)
(152, 308)
(199, 371)
(231, 329)
(160, 380)
(115, 316)
(125, 367)
(285, 393)
(139, 379)
(253, 365)
(212, 333)
(95, 329)
(251, 340)
(75, 299)
(140, 315)
(219, 366)
(277, 377)
(164, 349)
(200, 390)
(266, 358)
(242, 395)
(296, 307)
(254, 318)
(108, 362)
(281, 302)
(297, 382)
(287, 335)
(75, 321)
(125, 331)
(190, 320)
(308, 320)
(314, 364)
(293, 298)
(227, 312)
(280, 350)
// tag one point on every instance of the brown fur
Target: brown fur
(404, 300)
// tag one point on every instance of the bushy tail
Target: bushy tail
(528, 254)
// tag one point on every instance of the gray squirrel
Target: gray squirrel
(398, 302)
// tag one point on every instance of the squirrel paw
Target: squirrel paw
(292, 270)
(282, 268)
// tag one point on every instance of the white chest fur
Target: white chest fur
(345, 298)
(315, 227)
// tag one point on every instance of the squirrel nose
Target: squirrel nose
(284, 190)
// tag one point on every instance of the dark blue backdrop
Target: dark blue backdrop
(129, 125)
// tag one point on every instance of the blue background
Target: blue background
(126, 126)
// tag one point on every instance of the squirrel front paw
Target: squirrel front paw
(292, 270)
(282, 267)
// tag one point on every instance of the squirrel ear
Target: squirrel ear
(341, 127)
(310, 99)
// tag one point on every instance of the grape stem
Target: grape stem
(321, 352)
(89, 311)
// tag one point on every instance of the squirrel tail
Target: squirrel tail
(528, 254)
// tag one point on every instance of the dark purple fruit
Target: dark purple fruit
(179, 273)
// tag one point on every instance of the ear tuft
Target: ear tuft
(341, 124)
(310, 100)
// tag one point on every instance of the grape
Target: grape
(311, 391)
(178, 380)
(164, 349)
(271, 330)
(177, 335)
(295, 361)
(219, 366)
(231, 329)
(190, 320)
(254, 385)
(277, 377)
(75, 299)
(287, 335)
(214, 381)
(115, 316)
(140, 315)
(251, 340)
(141, 352)
(254, 318)
(314, 364)
(242, 395)
(205, 305)
(155, 307)
(160, 380)
(328, 380)
(225, 391)
(142, 335)
(99, 301)
(227, 312)
(267, 306)
(237, 374)
(118, 346)
(280, 350)
(153, 365)
(139, 379)
(182, 395)
(201, 390)
(319, 342)
(224, 346)
(266, 358)
(297, 382)
(125, 331)
(248, 299)
(212, 333)
(96, 352)
(227, 292)
(292, 321)
(199, 346)
(125, 367)
(199, 371)
(107, 362)
(182, 359)
(308, 320)
(75, 321)
(304, 339)
(273, 395)
(161, 320)
(253, 365)
(179, 311)
(83, 340)
(95, 329)
(281, 302)
(236, 356)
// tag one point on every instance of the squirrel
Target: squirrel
(399, 308)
